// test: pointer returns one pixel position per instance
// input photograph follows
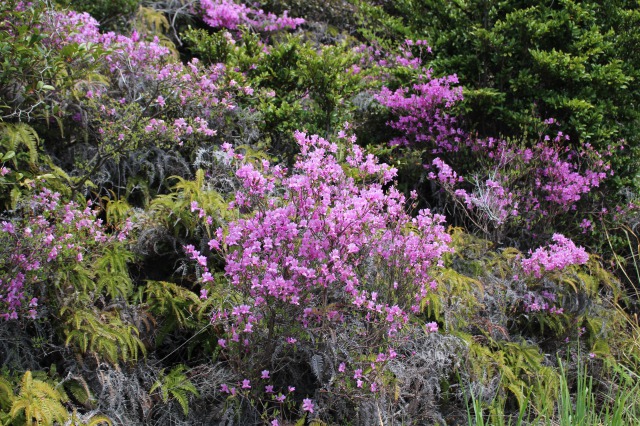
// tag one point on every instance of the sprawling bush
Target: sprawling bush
(326, 248)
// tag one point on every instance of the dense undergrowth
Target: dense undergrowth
(299, 212)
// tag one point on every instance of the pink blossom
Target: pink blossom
(307, 405)
(432, 327)
(557, 256)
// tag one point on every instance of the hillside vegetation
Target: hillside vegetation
(347, 212)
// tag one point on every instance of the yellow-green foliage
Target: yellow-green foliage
(78, 388)
(12, 136)
(117, 210)
(154, 22)
(519, 367)
(177, 305)
(95, 420)
(480, 299)
(6, 394)
(174, 208)
(112, 272)
(177, 308)
(38, 402)
(103, 333)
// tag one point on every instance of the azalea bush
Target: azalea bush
(522, 62)
(40, 245)
(501, 185)
(229, 14)
(325, 248)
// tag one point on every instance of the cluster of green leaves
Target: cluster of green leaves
(298, 85)
(37, 399)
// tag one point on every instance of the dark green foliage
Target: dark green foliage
(111, 14)
(521, 62)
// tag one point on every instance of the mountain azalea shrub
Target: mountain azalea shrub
(324, 246)
(513, 186)
(523, 61)
(518, 312)
(424, 108)
(47, 239)
(138, 96)
(500, 184)
(296, 84)
(229, 14)
(562, 253)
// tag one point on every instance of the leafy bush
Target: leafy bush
(521, 62)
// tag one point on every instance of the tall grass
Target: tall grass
(579, 403)
(584, 407)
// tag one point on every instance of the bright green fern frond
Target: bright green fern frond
(175, 208)
(175, 385)
(112, 271)
(105, 334)
(39, 402)
(6, 394)
(174, 303)
(15, 135)
(151, 20)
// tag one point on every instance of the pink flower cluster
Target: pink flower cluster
(422, 112)
(179, 101)
(504, 182)
(125, 55)
(228, 14)
(319, 234)
(50, 234)
(530, 183)
(544, 302)
(322, 245)
(557, 256)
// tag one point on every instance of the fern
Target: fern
(6, 394)
(112, 272)
(90, 420)
(78, 388)
(118, 210)
(175, 207)
(317, 366)
(174, 303)
(151, 20)
(15, 135)
(175, 385)
(99, 420)
(39, 402)
(154, 22)
(104, 334)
